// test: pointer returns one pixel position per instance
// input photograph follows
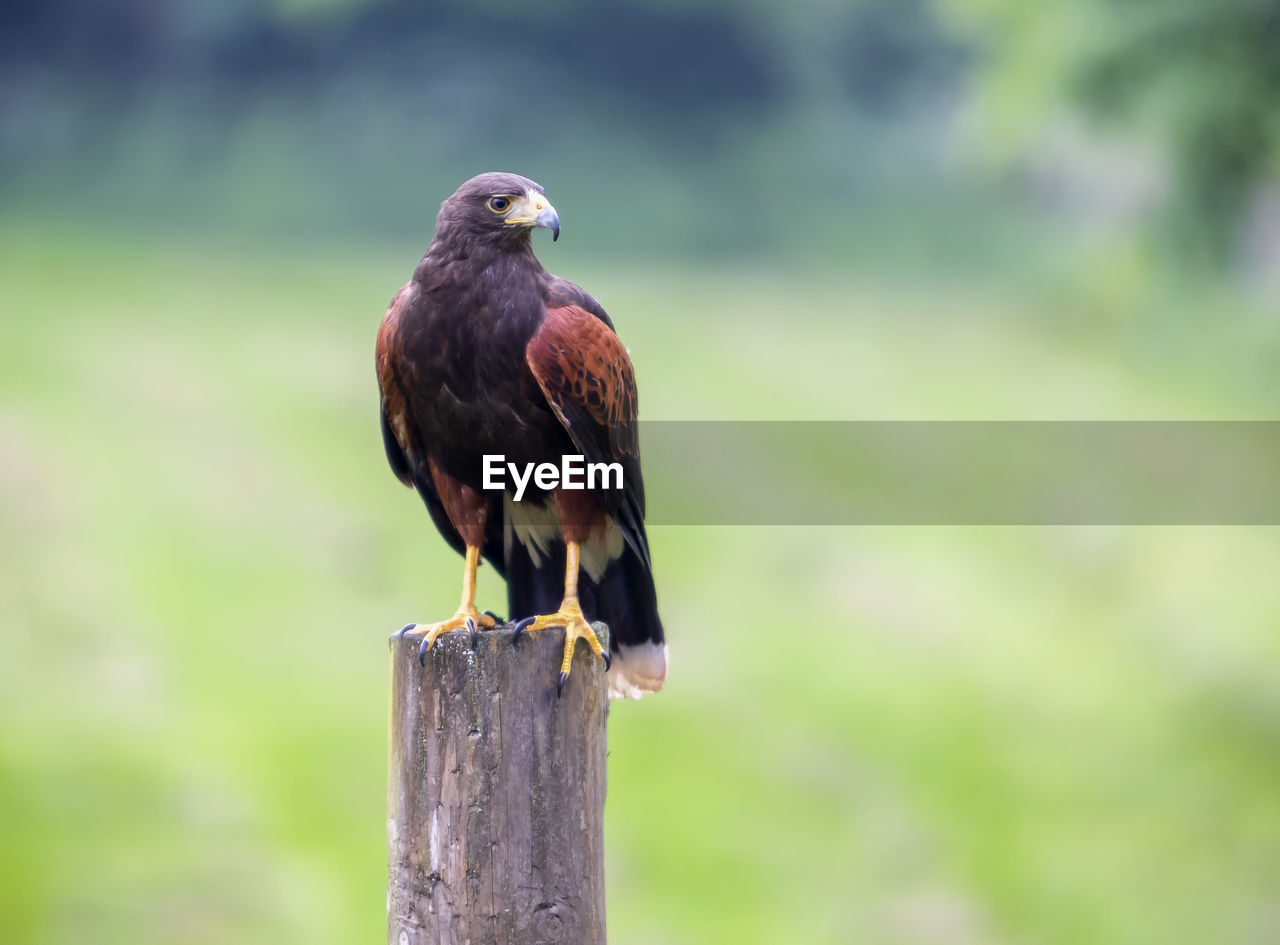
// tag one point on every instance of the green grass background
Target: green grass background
(900, 736)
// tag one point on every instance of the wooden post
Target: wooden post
(495, 801)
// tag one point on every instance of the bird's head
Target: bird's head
(497, 208)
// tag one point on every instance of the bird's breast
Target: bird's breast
(470, 388)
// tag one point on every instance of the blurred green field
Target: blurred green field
(899, 736)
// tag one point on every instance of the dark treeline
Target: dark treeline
(677, 59)
(340, 115)
(343, 117)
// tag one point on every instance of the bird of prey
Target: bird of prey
(483, 353)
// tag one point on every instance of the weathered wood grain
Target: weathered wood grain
(496, 789)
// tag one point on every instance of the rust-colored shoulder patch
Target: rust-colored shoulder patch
(576, 358)
(388, 336)
(395, 420)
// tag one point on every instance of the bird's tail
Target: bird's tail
(624, 597)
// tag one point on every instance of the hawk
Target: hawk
(483, 353)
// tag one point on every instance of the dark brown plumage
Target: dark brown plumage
(485, 352)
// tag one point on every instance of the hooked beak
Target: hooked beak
(533, 209)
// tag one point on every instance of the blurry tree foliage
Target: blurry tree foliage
(1204, 78)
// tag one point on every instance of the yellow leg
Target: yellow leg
(569, 616)
(467, 615)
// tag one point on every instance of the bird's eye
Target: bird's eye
(499, 204)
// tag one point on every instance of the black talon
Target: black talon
(471, 629)
(519, 628)
(490, 613)
(422, 652)
(560, 683)
(608, 660)
(405, 629)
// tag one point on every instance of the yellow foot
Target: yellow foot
(470, 618)
(576, 628)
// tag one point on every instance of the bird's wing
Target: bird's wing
(587, 378)
(406, 454)
(564, 292)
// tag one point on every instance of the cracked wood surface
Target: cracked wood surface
(495, 800)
